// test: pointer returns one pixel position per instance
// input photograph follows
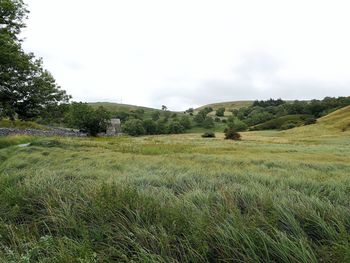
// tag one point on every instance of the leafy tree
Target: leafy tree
(220, 112)
(84, 117)
(175, 127)
(164, 108)
(185, 122)
(134, 127)
(190, 110)
(122, 115)
(208, 122)
(161, 127)
(236, 124)
(26, 89)
(155, 115)
(150, 126)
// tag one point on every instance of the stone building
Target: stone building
(114, 128)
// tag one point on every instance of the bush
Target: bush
(310, 121)
(134, 127)
(175, 127)
(231, 134)
(150, 126)
(217, 119)
(208, 135)
(84, 117)
(288, 125)
(236, 124)
(185, 122)
(208, 122)
(220, 112)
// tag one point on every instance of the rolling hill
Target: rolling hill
(337, 122)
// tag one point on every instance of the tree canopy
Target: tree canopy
(26, 88)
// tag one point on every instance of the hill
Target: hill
(337, 122)
(229, 105)
(297, 119)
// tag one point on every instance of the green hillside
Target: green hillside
(297, 119)
(229, 105)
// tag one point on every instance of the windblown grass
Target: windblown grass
(179, 198)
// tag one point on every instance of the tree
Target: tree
(155, 115)
(236, 124)
(175, 127)
(185, 122)
(208, 122)
(134, 127)
(164, 108)
(84, 117)
(26, 89)
(220, 112)
(150, 126)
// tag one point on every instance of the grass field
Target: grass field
(272, 197)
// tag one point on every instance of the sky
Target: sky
(187, 53)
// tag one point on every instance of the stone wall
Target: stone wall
(34, 132)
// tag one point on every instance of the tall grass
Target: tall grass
(174, 199)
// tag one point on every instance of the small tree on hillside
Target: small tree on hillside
(236, 124)
(220, 112)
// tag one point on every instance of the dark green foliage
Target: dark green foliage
(310, 121)
(232, 134)
(150, 127)
(208, 122)
(190, 110)
(122, 115)
(220, 112)
(236, 124)
(267, 103)
(185, 122)
(175, 127)
(288, 125)
(277, 123)
(263, 111)
(134, 127)
(155, 115)
(217, 119)
(208, 135)
(26, 89)
(84, 117)
(161, 127)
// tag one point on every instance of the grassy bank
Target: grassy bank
(269, 198)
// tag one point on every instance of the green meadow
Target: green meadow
(271, 197)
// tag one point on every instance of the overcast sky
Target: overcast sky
(185, 53)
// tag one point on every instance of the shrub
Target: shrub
(231, 134)
(208, 122)
(175, 127)
(224, 121)
(236, 124)
(288, 125)
(150, 126)
(134, 127)
(208, 135)
(217, 119)
(220, 112)
(84, 117)
(310, 121)
(185, 122)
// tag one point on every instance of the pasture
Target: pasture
(271, 197)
